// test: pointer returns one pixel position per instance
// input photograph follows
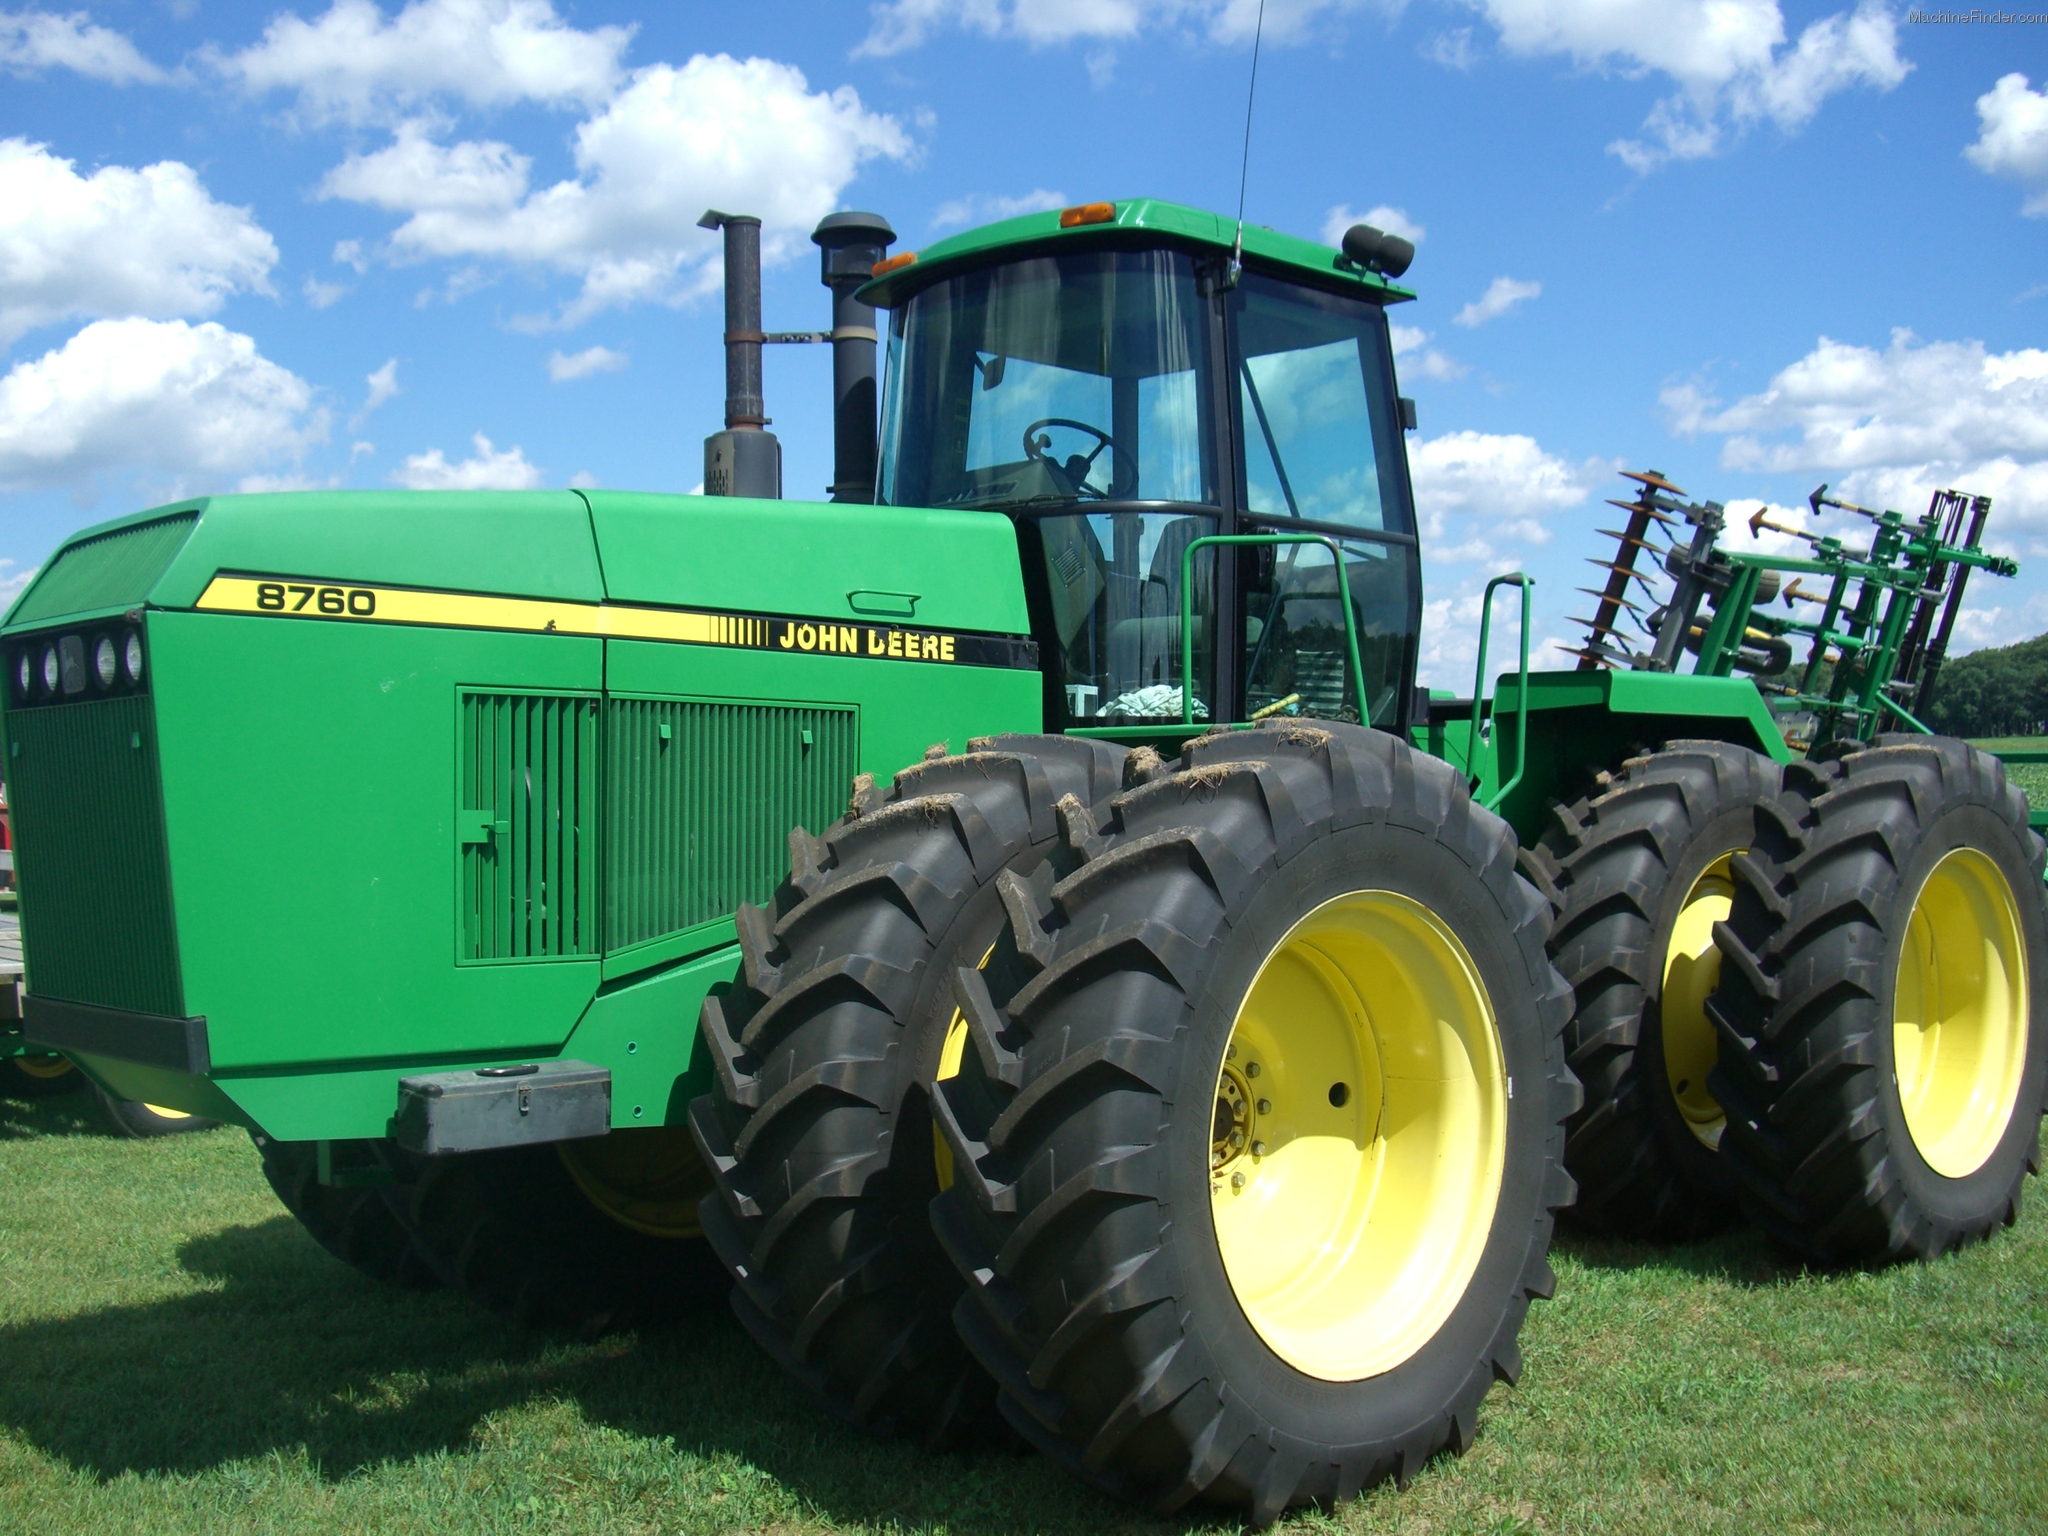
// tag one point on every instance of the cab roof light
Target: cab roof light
(895, 263)
(1087, 213)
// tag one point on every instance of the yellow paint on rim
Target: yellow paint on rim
(951, 1054)
(1359, 1136)
(163, 1112)
(1960, 1013)
(647, 1179)
(45, 1068)
(1692, 968)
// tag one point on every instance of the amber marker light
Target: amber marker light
(895, 263)
(1087, 213)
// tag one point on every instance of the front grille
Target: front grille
(528, 816)
(87, 816)
(701, 797)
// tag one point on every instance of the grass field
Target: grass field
(176, 1356)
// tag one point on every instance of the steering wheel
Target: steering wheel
(1077, 467)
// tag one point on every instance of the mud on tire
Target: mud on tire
(1085, 1122)
(1622, 863)
(1827, 903)
(819, 1132)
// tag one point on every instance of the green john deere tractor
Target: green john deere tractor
(1187, 1071)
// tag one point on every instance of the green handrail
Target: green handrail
(1187, 611)
(1515, 578)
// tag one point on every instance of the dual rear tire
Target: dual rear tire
(1883, 1055)
(1220, 1065)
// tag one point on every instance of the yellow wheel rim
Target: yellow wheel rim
(1692, 967)
(1359, 1135)
(951, 1053)
(1959, 1018)
(46, 1068)
(649, 1180)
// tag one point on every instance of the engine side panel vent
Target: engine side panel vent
(702, 796)
(527, 826)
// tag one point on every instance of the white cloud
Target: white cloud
(1473, 488)
(383, 388)
(716, 132)
(1857, 408)
(323, 295)
(1412, 342)
(414, 172)
(1394, 221)
(358, 65)
(1501, 295)
(1727, 57)
(12, 582)
(1452, 49)
(905, 24)
(988, 207)
(195, 404)
(37, 40)
(2014, 139)
(119, 242)
(583, 480)
(581, 365)
(489, 470)
(1894, 426)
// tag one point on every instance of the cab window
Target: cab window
(1317, 417)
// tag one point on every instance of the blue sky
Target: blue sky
(1756, 244)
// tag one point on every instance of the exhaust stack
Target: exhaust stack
(849, 246)
(744, 459)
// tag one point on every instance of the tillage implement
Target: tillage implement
(1180, 1062)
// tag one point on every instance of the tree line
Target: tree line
(1995, 692)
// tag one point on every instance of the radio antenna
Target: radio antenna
(1245, 163)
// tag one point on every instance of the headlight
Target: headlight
(132, 657)
(24, 673)
(105, 663)
(51, 674)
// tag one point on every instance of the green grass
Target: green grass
(176, 1356)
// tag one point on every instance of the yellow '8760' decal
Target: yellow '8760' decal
(308, 598)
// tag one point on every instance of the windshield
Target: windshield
(1056, 380)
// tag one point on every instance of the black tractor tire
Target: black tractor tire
(825, 1045)
(131, 1117)
(1086, 1124)
(1650, 843)
(1866, 863)
(515, 1232)
(357, 1223)
(39, 1076)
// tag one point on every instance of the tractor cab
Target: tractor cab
(1121, 384)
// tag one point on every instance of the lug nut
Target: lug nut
(1265, 1106)
(1237, 1181)
(1251, 1069)
(1258, 1149)
(1230, 1052)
